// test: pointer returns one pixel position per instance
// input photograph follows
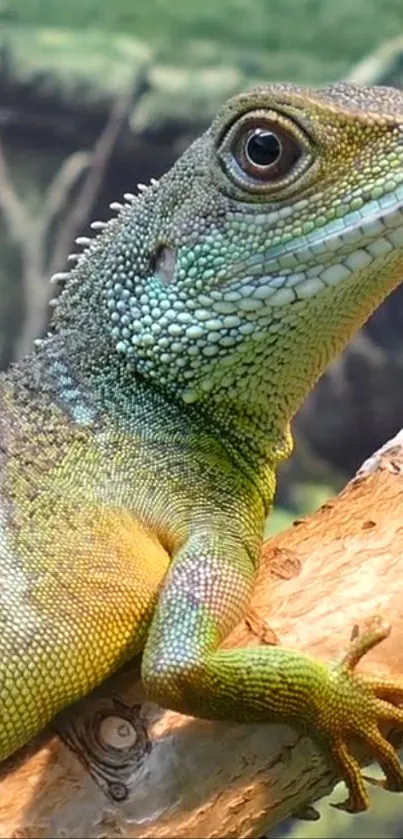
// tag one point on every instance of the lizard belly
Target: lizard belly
(76, 599)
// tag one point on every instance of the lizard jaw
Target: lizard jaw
(302, 268)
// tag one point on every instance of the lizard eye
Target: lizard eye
(266, 152)
(262, 148)
(263, 151)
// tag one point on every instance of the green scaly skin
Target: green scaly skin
(139, 440)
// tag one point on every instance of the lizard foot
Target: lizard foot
(359, 706)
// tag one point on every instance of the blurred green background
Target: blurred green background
(308, 40)
(96, 95)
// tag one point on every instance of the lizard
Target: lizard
(140, 438)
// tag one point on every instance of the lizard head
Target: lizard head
(250, 264)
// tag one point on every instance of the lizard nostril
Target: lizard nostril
(164, 263)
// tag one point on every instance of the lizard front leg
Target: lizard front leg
(205, 594)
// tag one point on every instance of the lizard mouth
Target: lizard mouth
(377, 221)
(301, 268)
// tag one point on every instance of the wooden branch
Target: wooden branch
(131, 770)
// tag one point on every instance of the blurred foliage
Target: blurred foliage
(279, 520)
(69, 57)
(307, 497)
(384, 819)
(333, 34)
(308, 40)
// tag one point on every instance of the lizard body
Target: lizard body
(139, 440)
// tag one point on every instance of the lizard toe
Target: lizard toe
(355, 707)
(386, 756)
(350, 769)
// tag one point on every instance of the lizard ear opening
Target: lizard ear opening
(164, 263)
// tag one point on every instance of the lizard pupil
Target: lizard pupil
(263, 148)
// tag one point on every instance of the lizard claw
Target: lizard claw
(361, 707)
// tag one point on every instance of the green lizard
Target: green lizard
(139, 440)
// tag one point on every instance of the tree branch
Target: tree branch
(132, 770)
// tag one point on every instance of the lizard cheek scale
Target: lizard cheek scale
(139, 440)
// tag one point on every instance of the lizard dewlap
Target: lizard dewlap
(139, 440)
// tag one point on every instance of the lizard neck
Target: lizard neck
(96, 394)
(154, 304)
(230, 394)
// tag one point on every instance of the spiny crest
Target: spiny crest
(86, 242)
